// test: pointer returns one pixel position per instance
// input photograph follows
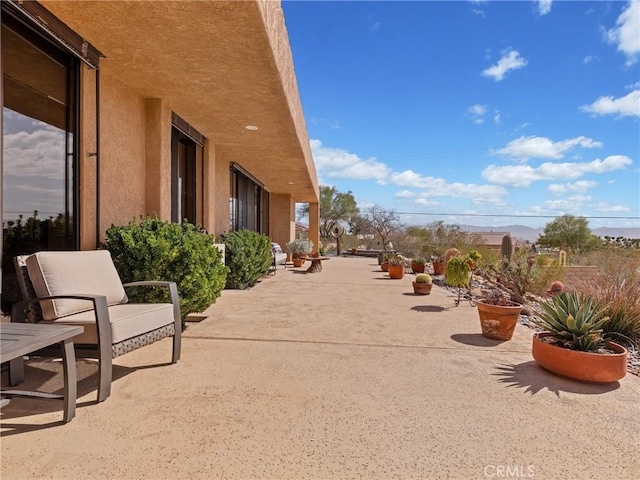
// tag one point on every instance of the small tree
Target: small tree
(569, 232)
(384, 222)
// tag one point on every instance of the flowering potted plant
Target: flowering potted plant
(573, 343)
(422, 284)
(299, 248)
(498, 315)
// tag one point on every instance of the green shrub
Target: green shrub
(248, 256)
(158, 250)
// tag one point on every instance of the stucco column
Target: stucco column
(158, 158)
(314, 225)
(282, 220)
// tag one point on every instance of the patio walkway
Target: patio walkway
(340, 374)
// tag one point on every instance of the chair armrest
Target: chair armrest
(99, 307)
(173, 294)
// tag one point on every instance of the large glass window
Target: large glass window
(249, 203)
(187, 182)
(39, 187)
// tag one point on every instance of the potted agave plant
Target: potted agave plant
(498, 315)
(422, 284)
(573, 343)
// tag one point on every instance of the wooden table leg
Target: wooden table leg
(70, 379)
(316, 266)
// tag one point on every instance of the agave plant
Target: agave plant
(575, 321)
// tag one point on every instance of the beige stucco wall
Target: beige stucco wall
(221, 193)
(282, 208)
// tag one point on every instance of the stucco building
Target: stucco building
(115, 109)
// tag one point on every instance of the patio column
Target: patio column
(314, 225)
(158, 158)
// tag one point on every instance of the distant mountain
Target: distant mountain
(531, 234)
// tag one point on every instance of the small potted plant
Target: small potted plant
(457, 274)
(437, 260)
(298, 249)
(397, 264)
(498, 315)
(384, 265)
(417, 264)
(422, 284)
(573, 343)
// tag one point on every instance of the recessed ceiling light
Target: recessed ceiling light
(291, 183)
(251, 127)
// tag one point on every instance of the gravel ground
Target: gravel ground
(477, 285)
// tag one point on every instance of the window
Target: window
(40, 182)
(187, 178)
(249, 203)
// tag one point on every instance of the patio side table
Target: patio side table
(18, 339)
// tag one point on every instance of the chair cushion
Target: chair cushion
(73, 273)
(127, 320)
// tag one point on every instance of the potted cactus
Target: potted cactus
(498, 315)
(573, 343)
(422, 284)
(397, 264)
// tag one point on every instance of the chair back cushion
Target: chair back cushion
(73, 273)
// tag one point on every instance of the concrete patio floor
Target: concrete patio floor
(335, 375)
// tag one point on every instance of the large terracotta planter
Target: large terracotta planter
(422, 288)
(396, 272)
(298, 262)
(585, 366)
(497, 321)
(439, 268)
(417, 267)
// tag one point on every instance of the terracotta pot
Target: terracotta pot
(384, 266)
(498, 322)
(417, 267)
(586, 366)
(396, 272)
(422, 288)
(439, 268)
(298, 262)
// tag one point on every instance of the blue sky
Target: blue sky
(486, 108)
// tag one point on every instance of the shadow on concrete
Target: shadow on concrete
(476, 339)
(426, 308)
(533, 378)
(45, 374)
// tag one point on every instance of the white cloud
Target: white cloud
(605, 207)
(511, 60)
(590, 58)
(626, 34)
(477, 113)
(338, 163)
(423, 202)
(496, 117)
(438, 187)
(524, 148)
(633, 86)
(525, 175)
(405, 194)
(629, 105)
(562, 205)
(544, 6)
(579, 186)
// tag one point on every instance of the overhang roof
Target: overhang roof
(221, 65)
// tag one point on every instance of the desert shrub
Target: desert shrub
(525, 273)
(620, 299)
(154, 249)
(248, 256)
